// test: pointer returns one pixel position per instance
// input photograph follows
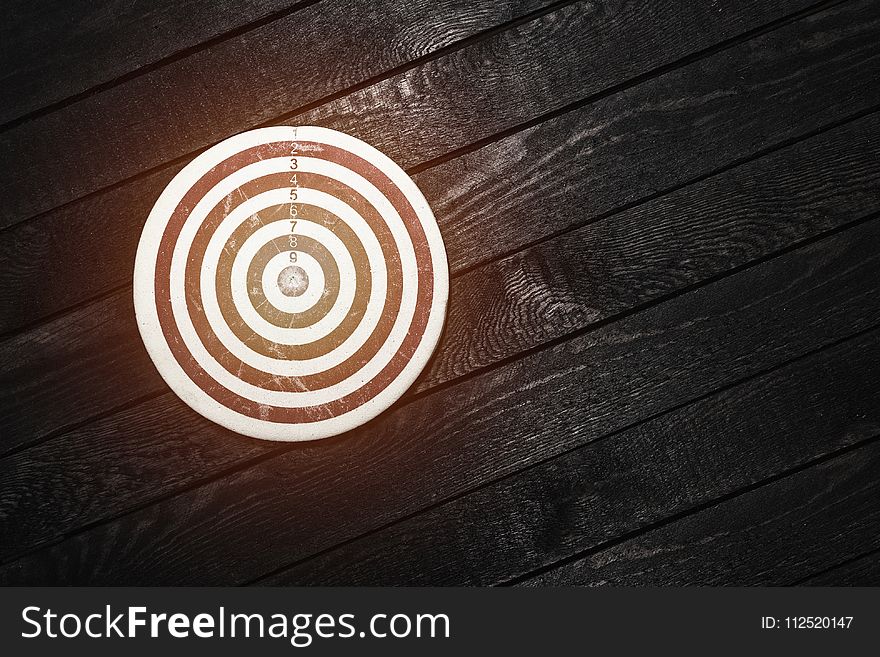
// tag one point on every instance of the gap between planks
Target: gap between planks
(724, 45)
(824, 266)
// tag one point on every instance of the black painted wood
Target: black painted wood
(863, 570)
(663, 313)
(553, 289)
(444, 444)
(252, 78)
(626, 482)
(51, 52)
(417, 115)
(652, 137)
(771, 535)
(674, 156)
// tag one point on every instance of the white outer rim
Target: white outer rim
(154, 339)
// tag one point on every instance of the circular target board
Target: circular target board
(290, 283)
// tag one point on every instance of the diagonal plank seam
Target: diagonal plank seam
(831, 569)
(397, 70)
(248, 463)
(651, 418)
(558, 340)
(830, 456)
(36, 318)
(630, 83)
(459, 45)
(777, 146)
(159, 63)
(785, 143)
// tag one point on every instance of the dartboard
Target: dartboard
(290, 283)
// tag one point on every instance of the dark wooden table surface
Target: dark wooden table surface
(661, 363)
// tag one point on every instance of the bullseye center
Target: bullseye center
(293, 281)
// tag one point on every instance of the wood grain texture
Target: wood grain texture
(512, 305)
(50, 51)
(772, 535)
(423, 112)
(661, 359)
(444, 444)
(66, 409)
(252, 78)
(534, 69)
(657, 135)
(556, 288)
(128, 459)
(860, 571)
(630, 480)
(660, 247)
(78, 359)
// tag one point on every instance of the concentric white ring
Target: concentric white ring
(320, 406)
(268, 232)
(274, 296)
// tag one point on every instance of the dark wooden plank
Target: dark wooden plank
(652, 137)
(88, 362)
(723, 222)
(95, 472)
(657, 248)
(76, 359)
(54, 50)
(444, 444)
(592, 165)
(861, 571)
(72, 409)
(249, 79)
(707, 450)
(546, 65)
(86, 164)
(773, 535)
